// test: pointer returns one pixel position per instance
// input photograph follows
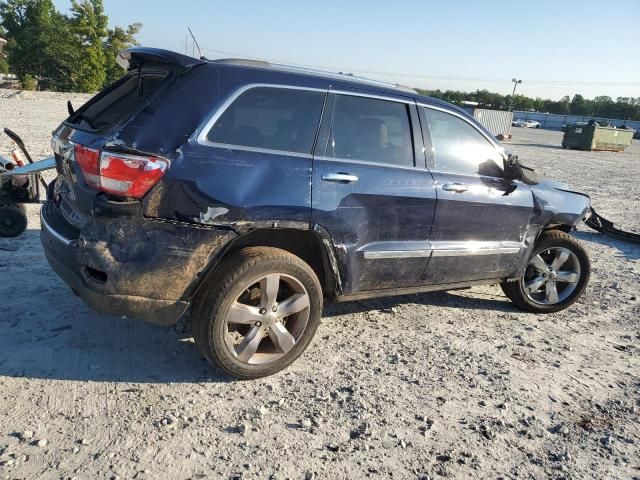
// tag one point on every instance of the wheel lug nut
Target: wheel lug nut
(258, 324)
(263, 311)
(274, 309)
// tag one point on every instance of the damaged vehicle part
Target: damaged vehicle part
(608, 228)
(251, 192)
(569, 204)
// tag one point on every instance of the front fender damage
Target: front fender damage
(554, 206)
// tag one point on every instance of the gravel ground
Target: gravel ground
(457, 385)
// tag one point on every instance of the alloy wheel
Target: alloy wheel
(267, 319)
(551, 276)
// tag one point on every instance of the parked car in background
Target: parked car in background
(251, 193)
(526, 123)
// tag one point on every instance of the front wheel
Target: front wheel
(555, 277)
(258, 312)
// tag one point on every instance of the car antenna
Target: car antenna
(195, 42)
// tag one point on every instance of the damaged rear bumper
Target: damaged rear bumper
(130, 266)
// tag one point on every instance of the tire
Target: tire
(550, 247)
(13, 220)
(231, 309)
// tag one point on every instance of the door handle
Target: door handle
(455, 187)
(339, 177)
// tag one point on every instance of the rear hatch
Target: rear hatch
(110, 123)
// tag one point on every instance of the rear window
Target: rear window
(109, 106)
(283, 119)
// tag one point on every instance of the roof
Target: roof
(312, 71)
(347, 77)
(134, 56)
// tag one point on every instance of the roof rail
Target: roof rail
(311, 71)
(243, 62)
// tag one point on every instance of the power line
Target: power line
(567, 83)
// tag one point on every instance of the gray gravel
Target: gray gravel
(457, 385)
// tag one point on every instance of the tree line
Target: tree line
(48, 50)
(603, 106)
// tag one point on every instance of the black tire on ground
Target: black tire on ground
(13, 220)
(554, 238)
(221, 289)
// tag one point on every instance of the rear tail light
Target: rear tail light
(89, 161)
(120, 174)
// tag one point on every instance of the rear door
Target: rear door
(481, 218)
(252, 160)
(371, 190)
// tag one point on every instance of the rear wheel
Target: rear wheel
(555, 277)
(258, 312)
(13, 220)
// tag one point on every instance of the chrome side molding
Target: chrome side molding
(371, 255)
(451, 249)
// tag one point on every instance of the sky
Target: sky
(556, 48)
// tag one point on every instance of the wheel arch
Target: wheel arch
(312, 245)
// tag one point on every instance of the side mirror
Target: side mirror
(512, 168)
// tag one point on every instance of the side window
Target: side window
(372, 130)
(283, 119)
(460, 148)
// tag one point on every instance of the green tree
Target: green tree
(30, 28)
(61, 73)
(58, 52)
(88, 24)
(4, 65)
(117, 40)
(602, 105)
(578, 105)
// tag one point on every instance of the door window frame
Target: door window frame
(431, 163)
(203, 131)
(324, 135)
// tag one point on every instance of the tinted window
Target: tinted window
(460, 148)
(273, 118)
(372, 130)
(108, 107)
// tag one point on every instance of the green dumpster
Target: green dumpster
(595, 137)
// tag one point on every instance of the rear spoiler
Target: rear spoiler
(135, 57)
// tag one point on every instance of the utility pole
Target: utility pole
(515, 84)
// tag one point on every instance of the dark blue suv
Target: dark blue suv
(251, 192)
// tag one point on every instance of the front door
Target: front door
(481, 218)
(371, 191)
